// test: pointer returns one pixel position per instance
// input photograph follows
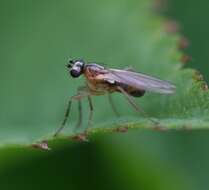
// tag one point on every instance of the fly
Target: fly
(101, 80)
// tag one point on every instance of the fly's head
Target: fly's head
(75, 67)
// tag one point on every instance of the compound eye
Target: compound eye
(75, 72)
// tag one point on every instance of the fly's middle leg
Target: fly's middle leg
(113, 105)
(91, 112)
(80, 114)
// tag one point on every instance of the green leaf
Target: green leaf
(36, 42)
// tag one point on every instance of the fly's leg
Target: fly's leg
(80, 114)
(113, 105)
(91, 112)
(82, 92)
(133, 104)
(83, 136)
(67, 112)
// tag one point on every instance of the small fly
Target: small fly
(101, 80)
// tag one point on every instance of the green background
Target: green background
(139, 159)
(192, 18)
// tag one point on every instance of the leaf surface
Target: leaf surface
(37, 41)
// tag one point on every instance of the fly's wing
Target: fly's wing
(139, 81)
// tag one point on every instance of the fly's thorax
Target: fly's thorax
(94, 75)
(99, 88)
(93, 70)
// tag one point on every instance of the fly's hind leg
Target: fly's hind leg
(113, 105)
(134, 105)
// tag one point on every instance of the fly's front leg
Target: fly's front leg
(83, 136)
(65, 118)
(81, 94)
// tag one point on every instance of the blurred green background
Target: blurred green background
(139, 159)
(192, 17)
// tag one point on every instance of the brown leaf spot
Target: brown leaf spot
(160, 128)
(185, 58)
(83, 137)
(186, 127)
(42, 145)
(121, 129)
(171, 26)
(198, 76)
(183, 43)
(205, 86)
(159, 5)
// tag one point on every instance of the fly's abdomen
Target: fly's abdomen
(137, 93)
(131, 90)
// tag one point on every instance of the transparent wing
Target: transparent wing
(139, 81)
